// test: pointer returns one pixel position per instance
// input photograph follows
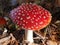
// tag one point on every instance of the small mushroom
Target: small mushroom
(30, 17)
(2, 24)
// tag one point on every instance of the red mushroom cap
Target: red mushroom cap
(30, 16)
(2, 21)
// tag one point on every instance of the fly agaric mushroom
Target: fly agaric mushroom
(2, 24)
(30, 17)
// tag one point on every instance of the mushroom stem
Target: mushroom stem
(30, 36)
(5, 31)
